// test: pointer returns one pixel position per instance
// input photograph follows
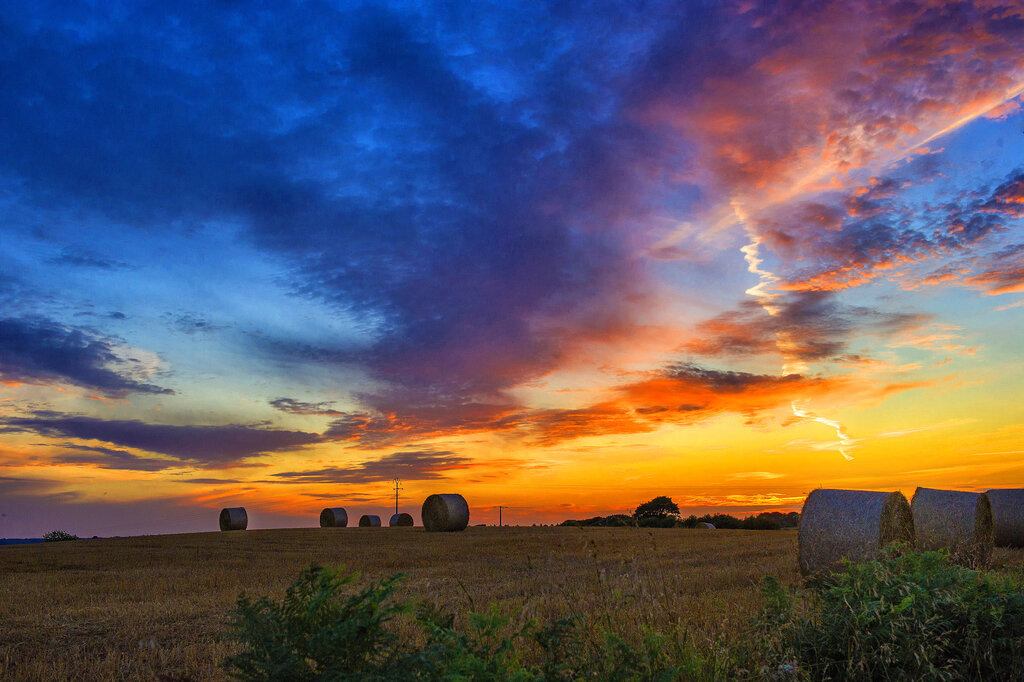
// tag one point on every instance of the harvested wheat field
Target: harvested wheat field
(155, 606)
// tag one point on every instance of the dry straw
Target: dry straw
(1008, 516)
(333, 517)
(850, 524)
(955, 520)
(233, 518)
(369, 521)
(402, 519)
(445, 512)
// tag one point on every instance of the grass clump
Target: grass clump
(904, 616)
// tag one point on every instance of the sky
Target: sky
(559, 257)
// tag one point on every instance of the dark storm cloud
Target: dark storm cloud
(40, 351)
(202, 445)
(411, 465)
(450, 204)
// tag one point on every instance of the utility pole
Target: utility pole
(499, 514)
(397, 488)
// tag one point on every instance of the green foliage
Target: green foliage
(660, 507)
(904, 616)
(319, 633)
(59, 536)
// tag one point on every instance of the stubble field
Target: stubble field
(154, 607)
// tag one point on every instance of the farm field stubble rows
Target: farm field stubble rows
(154, 607)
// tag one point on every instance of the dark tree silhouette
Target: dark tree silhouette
(659, 508)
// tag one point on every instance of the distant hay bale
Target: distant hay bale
(402, 519)
(333, 517)
(704, 525)
(1007, 516)
(233, 518)
(850, 524)
(369, 521)
(445, 512)
(958, 521)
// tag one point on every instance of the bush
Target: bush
(319, 633)
(904, 616)
(59, 536)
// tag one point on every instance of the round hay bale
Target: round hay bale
(369, 521)
(333, 517)
(445, 512)
(850, 524)
(233, 518)
(1007, 516)
(958, 521)
(402, 519)
(704, 525)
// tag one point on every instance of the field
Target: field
(154, 607)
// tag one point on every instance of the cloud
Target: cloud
(191, 323)
(409, 465)
(777, 98)
(85, 258)
(209, 446)
(1002, 273)
(40, 351)
(293, 406)
(803, 325)
(106, 458)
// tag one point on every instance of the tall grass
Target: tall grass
(904, 617)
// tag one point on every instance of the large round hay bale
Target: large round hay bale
(445, 512)
(369, 521)
(333, 517)
(1007, 516)
(402, 519)
(955, 520)
(704, 525)
(233, 518)
(850, 524)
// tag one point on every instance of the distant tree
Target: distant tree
(659, 508)
(59, 536)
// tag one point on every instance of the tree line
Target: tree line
(662, 512)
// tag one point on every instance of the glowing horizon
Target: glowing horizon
(558, 261)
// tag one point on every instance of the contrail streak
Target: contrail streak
(845, 441)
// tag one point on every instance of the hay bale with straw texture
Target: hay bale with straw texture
(445, 512)
(955, 520)
(369, 521)
(850, 524)
(704, 525)
(333, 517)
(402, 519)
(233, 518)
(1007, 516)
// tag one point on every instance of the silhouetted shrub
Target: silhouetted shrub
(59, 536)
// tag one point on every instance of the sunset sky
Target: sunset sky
(560, 257)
